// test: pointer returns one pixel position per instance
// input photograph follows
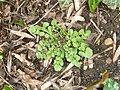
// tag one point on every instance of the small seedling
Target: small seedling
(93, 4)
(60, 44)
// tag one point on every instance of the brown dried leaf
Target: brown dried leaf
(77, 18)
(78, 13)
(22, 58)
(32, 73)
(28, 80)
(21, 34)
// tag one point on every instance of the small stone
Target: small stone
(108, 41)
(108, 61)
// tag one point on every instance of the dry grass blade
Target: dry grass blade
(21, 34)
(46, 85)
(117, 54)
(9, 62)
(114, 42)
(96, 26)
(67, 68)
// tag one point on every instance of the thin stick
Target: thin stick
(45, 14)
(96, 26)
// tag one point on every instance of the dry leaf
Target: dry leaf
(28, 80)
(117, 54)
(32, 73)
(77, 18)
(21, 34)
(78, 13)
(71, 8)
(22, 58)
(77, 4)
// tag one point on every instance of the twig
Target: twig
(45, 14)
(96, 26)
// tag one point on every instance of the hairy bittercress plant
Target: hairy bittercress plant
(60, 44)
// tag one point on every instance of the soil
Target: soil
(107, 20)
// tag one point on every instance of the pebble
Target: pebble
(108, 61)
(108, 41)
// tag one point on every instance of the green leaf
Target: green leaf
(49, 55)
(39, 48)
(57, 67)
(111, 85)
(41, 42)
(77, 64)
(77, 58)
(81, 53)
(41, 33)
(82, 46)
(88, 52)
(39, 55)
(93, 4)
(32, 29)
(81, 32)
(19, 22)
(87, 33)
(45, 24)
(75, 33)
(54, 23)
(70, 32)
(7, 87)
(50, 29)
(47, 35)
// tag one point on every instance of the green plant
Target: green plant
(7, 87)
(111, 85)
(93, 4)
(106, 83)
(60, 44)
